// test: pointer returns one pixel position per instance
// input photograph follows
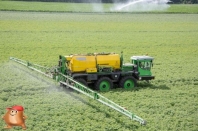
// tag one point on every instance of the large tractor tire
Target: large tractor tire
(82, 81)
(104, 84)
(128, 82)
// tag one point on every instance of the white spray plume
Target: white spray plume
(141, 5)
(98, 7)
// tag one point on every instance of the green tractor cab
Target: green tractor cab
(144, 65)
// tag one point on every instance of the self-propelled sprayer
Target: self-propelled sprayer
(102, 70)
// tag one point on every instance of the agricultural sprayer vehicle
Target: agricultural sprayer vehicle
(100, 69)
(106, 69)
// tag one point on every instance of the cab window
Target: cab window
(146, 65)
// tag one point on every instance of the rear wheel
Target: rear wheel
(82, 81)
(127, 82)
(104, 84)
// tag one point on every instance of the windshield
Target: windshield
(146, 65)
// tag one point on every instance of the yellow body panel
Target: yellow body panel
(68, 58)
(82, 63)
(88, 63)
(91, 70)
(112, 60)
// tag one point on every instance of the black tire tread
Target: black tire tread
(125, 78)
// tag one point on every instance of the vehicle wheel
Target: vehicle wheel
(82, 81)
(104, 84)
(127, 82)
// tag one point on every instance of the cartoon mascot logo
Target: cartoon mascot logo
(15, 117)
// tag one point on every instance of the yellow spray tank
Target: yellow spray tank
(93, 62)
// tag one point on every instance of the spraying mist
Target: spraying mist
(141, 5)
(98, 7)
(130, 5)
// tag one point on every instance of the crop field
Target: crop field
(168, 103)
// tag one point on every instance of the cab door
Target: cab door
(144, 67)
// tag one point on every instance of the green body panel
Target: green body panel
(144, 68)
(62, 64)
(127, 67)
